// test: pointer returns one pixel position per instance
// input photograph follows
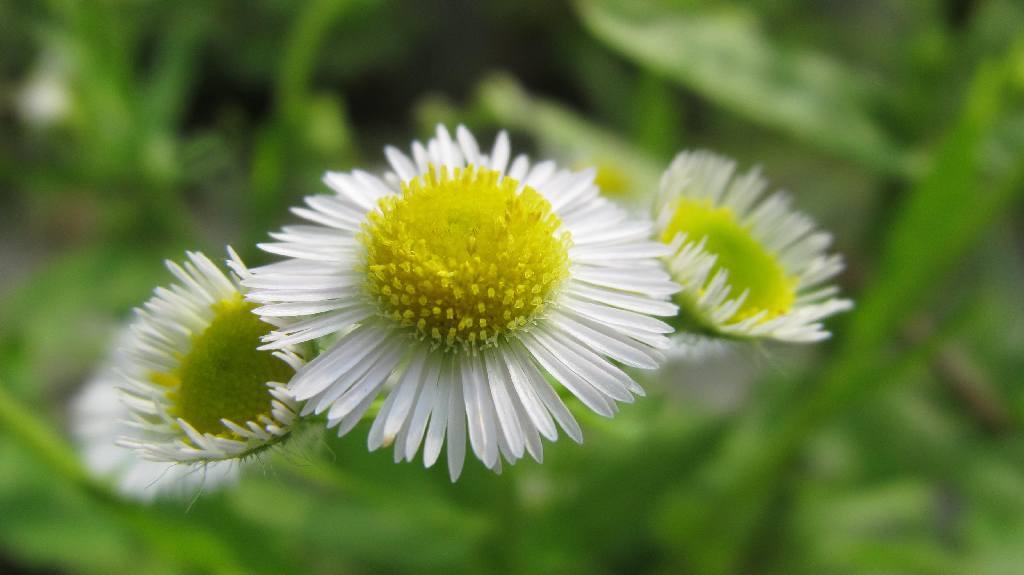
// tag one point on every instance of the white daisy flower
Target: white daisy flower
(462, 283)
(99, 419)
(196, 388)
(751, 267)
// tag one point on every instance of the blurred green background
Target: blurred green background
(131, 130)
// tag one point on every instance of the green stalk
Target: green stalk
(42, 440)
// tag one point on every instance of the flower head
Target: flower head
(99, 419)
(751, 267)
(195, 386)
(460, 282)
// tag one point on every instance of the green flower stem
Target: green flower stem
(176, 538)
(42, 440)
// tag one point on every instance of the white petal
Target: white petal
(439, 413)
(456, 432)
(579, 387)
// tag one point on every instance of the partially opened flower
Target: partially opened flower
(190, 385)
(463, 282)
(99, 419)
(750, 266)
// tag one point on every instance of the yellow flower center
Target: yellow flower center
(611, 180)
(462, 257)
(751, 267)
(224, 376)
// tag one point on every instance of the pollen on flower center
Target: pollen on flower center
(464, 256)
(752, 268)
(224, 376)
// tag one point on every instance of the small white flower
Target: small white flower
(99, 419)
(751, 267)
(462, 282)
(195, 388)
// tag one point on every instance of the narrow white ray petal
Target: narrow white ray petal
(369, 385)
(424, 404)
(364, 379)
(577, 187)
(493, 437)
(500, 153)
(531, 402)
(351, 349)
(405, 393)
(353, 417)
(621, 349)
(520, 165)
(579, 387)
(294, 309)
(627, 301)
(400, 163)
(456, 432)
(539, 174)
(468, 144)
(628, 232)
(505, 409)
(631, 251)
(531, 435)
(653, 284)
(419, 154)
(481, 437)
(599, 374)
(317, 327)
(545, 393)
(448, 379)
(615, 316)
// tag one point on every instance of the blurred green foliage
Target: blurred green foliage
(131, 130)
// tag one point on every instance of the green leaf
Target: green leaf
(951, 207)
(724, 56)
(946, 213)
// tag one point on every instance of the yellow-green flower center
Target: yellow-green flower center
(224, 376)
(611, 180)
(751, 267)
(464, 257)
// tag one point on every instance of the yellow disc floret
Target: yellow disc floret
(751, 267)
(224, 376)
(464, 256)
